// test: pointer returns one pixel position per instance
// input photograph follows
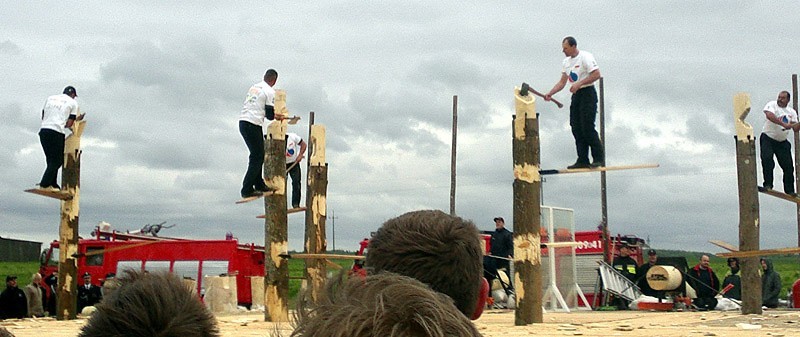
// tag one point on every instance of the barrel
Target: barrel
(664, 277)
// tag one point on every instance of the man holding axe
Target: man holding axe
(581, 70)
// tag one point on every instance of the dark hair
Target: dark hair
(5, 333)
(788, 95)
(438, 249)
(150, 304)
(271, 74)
(570, 41)
(382, 304)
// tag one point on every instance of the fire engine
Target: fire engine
(110, 251)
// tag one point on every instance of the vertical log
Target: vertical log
(316, 210)
(603, 199)
(527, 212)
(748, 205)
(67, 304)
(276, 273)
(453, 158)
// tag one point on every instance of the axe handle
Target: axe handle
(542, 96)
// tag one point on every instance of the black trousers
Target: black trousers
(582, 115)
(254, 138)
(782, 151)
(53, 146)
(294, 173)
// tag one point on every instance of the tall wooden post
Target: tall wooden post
(748, 205)
(67, 304)
(276, 269)
(527, 212)
(316, 210)
(603, 199)
(453, 158)
(796, 155)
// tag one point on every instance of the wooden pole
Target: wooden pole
(276, 269)
(527, 212)
(453, 158)
(67, 303)
(748, 205)
(603, 200)
(796, 154)
(316, 210)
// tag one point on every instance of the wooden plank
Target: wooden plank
(307, 256)
(598, 169)
(780, 195)
(724, 245)
(249, 199)
(60, 195)
(289, 211)
(764, 252)
(316, 271)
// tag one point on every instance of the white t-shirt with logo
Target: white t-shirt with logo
(292, 147)
(787, 115)
(579, 67)
(259, 95)
(57, 109)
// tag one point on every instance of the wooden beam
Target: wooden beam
(597, 169)
(276, 269)
(748, 205)
(66, 305)
(288, 211)
(527, 212)
(308, 256)
(316, 271)
(763, 252)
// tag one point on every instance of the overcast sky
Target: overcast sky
(162, 84)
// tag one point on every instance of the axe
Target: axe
(523, 91)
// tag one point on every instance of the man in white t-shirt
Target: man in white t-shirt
(58, 114)
(295, 149)
(581, 71)
(774, 141)
(258, 105)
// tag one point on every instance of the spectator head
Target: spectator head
(36, 278)
(652, 257)
(87, 278)
(499, 222)
(438, 249)
(150, 304)
(11, 281)
(704, 262)
(382, 304)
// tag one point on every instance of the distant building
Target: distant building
(13, 250)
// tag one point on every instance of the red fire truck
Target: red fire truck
(112, 252)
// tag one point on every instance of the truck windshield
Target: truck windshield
(53, 261)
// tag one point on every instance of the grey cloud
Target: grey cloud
(9, 48)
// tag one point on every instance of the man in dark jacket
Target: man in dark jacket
(624, 263)
(733, 278)
(13, 303)
(770, 285)
(88, 293)
(502, 249)
(705, 283)
(641, 275)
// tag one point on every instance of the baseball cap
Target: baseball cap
(651, 252)
(70, 90)
(499, 218)
(11, 277)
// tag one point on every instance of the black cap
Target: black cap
(11, 277)
(70, 90)
(87, 274)
(111, 275)
(499, 218)
(651, 252)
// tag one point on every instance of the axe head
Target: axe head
(523, 90)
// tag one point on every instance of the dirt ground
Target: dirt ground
(495, 323)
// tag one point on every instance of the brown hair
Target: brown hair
(438, 249)
(5, 333)
(383, 304)
(150, 304)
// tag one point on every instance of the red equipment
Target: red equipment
(112, 252)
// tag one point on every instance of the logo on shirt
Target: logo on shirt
(573, 76)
